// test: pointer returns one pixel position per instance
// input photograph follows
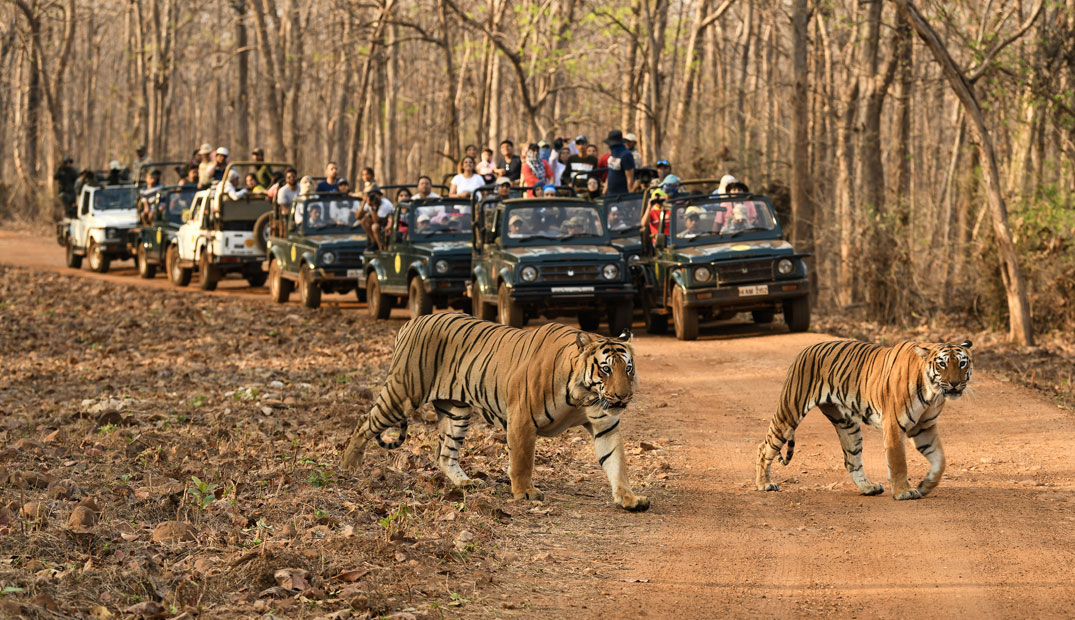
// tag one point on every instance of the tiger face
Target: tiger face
(608, 369)
(948, 367)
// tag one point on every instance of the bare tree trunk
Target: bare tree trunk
(242, 97)
(802, 209)
(1020, 325)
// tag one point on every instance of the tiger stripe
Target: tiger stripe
(899, 389)
(529, 382)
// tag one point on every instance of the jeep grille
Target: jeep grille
(555, 273)
(746, 271)
(349, 257)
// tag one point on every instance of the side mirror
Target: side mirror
(185, 215)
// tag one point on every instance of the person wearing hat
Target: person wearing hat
(670, 184)
(116, 174)
(516, 226)
(423, 223)
(578, 145)
(140, 161)
(664, 168)
(65, 178)
(739, 221)
(264, 173)
(503, 188)
(536, 171)
(630, 140)
(574, 226)
(205, 167)
(691, 227)
(220, 162)
(621, 166)
(652, 216)
(544, 150)
(724, 182)
(549, 190)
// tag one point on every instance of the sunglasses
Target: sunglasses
(656, 200)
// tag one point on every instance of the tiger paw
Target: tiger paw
(872, 489)
(768, 486)
(531, 494)
(635, 503)
(909, 494)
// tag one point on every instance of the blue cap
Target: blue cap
(663, 162)
(548, 187)
(670, 180)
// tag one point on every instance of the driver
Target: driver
(423, 224)
(690, 221)
(738, 222)
(315, 219)
(515, 227)
(615, 219)
(574, 226)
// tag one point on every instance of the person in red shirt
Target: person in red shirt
(657, 199)
(536, 172)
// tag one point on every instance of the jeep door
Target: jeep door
(187, 235)
(78, 225)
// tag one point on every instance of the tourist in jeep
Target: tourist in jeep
(503, 188)
(331, 182)
(116, 174)
(373, 214)
(191, 177)
(65, 177)
(145, 208)
(467, 182)
(220, 163)
(424, 191)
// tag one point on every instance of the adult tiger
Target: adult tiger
(900, 390)
(538, 382)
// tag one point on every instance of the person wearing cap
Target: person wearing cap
(65, 178)
(332, 180)
(424, 189)
(630, 140)
(503, 188)
(621, 166)
(423, 223)
(652, 215)
(205, 167)
(549, 190)
(116, 173)
(664, 168)
(264, 173)
(670, 184)
(574, 226)
(508, 164)
(578, 145)
(220, 162)
(536, 171)
(516, 227)
(544, 150)
(140, 161)
(580, 165)
(739, 221)
(691, 219)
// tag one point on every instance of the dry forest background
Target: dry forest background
(924, 152)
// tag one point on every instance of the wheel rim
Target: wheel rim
(95, 259)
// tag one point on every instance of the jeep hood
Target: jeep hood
(733, 250)
(566, 252)
(328, 241)
(446, 248)
(120, 219)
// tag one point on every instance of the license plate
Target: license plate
(572, 289)
(354, 273)
(760, 289)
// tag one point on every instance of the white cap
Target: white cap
(115, 165)
(205, 149)
(630, 137)
(223, 151)
(725, 181)
(423, 218)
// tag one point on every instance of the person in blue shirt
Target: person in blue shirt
(621, 166)
(331, 182)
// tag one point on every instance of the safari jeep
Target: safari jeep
(425, 260)
(316, 245)
(217, 236)
(149, 243)
(550, 257)
(713, 256)
(105, 217)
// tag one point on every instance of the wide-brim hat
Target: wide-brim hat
(205, 149)
(615, 138)
(630, 137)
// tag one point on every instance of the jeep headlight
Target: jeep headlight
(610, 271)
(328, 258)
(441, 266)
(528, 273)
(703, 274)
(784, 266)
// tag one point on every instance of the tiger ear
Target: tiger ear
(583, 340)
(626, 336)
(966, 344)
(922, 352)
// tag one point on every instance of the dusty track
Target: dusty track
(994, 540)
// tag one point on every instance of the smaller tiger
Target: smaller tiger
(900, 390)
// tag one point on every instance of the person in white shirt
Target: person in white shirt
(424, 190)
(373, 215)
(230, 186)
(467, 181)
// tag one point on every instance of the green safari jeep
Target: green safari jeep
(425, 260)
(316, 244)
(550, 257)
(150, 241)
(708, 255)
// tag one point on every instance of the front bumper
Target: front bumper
(581, 295)
(746, 295)
(446, 287)
(353, 273)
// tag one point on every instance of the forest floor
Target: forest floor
(167, 452)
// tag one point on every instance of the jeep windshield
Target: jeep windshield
(553, 222)
(174, 202)
(710, 219)
(623, 213)
(440, 221)
(115, 198)
(330, 216)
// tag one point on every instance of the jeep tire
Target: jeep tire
(309, 291)
(620, 317)
(656, 323)
(511, 314)
(208, 276)
(479, 307)
(763, 317)
(145, 270)
(180, 276)
(279, 287)
(255, 277)
(419, 302)
(589, 321)
(97, 259)
(261, 231)
(797, 314)
(379, 304)
(684, 317)
(74, 261)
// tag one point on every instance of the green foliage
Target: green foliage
(393, 522)
(318, 478)
(202, 492)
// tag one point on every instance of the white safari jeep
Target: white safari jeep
(217, 237)
(99, 230)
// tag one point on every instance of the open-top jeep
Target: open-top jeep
(551, 257)
(217, 235)
(425, 260)
(714, 255)
(149, 242)
(316, 245)
(105, 216)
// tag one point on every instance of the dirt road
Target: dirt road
(995, 539)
